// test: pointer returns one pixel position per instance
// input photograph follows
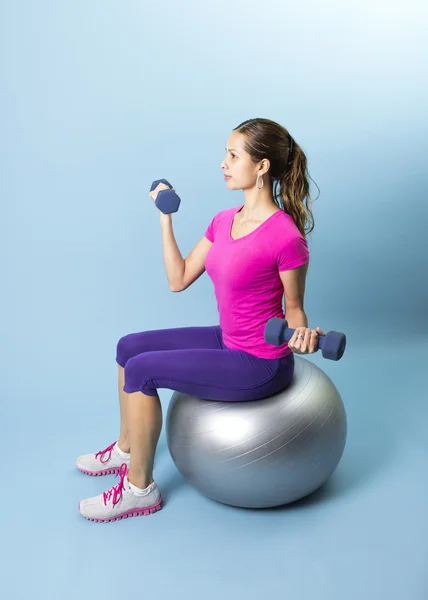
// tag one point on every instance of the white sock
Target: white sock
(121, 452)
(138, 491)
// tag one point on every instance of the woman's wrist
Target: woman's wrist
(165, 218)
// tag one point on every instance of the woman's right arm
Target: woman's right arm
(181, 272)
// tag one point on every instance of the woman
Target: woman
(254, 254)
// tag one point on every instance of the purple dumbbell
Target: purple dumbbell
(332, 344)
(167, 201)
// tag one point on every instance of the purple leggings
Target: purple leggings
(195, 361)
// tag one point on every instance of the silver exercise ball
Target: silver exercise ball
(260, 453)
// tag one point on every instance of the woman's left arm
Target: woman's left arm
(294, 282)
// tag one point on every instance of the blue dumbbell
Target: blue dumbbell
(333, 344)
(167, 201)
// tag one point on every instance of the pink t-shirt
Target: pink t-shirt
(245, 274)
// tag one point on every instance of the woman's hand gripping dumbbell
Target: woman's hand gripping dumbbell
(163, 195)
(332, 344)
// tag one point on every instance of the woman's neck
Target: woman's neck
(258, 204)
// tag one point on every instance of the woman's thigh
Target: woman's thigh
(211, 374)
(179, 338)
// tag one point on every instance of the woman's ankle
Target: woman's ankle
(124, 446)
(140, 481)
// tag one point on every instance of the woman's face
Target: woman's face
(238, 164)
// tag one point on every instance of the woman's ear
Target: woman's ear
(265, 166)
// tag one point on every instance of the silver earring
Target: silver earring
(257, 182)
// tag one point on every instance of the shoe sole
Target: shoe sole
(138, 512)
(113, 471)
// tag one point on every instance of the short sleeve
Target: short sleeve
(211, 229)
(294, 254)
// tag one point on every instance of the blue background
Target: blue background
(97, 100)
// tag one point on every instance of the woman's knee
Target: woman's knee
(137, 373)
(129, 346)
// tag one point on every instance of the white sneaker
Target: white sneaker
(120, 502)
(103, 462)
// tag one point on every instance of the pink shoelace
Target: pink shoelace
(116, 490)
(102, 452)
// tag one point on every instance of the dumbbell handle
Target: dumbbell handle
(287, 333)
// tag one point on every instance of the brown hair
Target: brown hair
(288, 170)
